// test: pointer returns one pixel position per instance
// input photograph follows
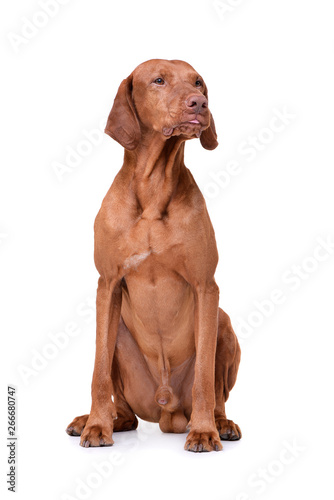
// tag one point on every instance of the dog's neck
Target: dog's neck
(156, 167)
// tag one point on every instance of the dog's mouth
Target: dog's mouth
(189, 127)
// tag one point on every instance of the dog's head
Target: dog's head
(169, 97)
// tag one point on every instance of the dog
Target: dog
(165, 351)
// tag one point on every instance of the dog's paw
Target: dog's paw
(77, 426)
(96, 434)
(228, 430)
(203, 441)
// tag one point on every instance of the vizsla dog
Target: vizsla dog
(165, 351)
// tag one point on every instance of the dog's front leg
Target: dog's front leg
(99, 427)
(203, 435)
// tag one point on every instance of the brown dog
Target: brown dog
(164, 350)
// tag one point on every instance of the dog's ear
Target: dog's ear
(123, 124)
(208, 137)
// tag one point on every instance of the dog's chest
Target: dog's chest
(149, 240)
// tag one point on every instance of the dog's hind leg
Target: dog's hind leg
(126, 420)
(134, 385)
(227, 364)
(76, 427)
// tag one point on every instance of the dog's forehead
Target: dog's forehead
(164, 67)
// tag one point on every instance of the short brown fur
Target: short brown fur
(165, 351)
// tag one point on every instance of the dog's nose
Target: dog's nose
(196, 103)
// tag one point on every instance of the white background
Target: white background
(259, 56)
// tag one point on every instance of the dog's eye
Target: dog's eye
(159, 81)
(198, 83)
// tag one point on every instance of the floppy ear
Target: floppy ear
(208, 137)
(123, 124)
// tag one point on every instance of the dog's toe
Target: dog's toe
(200, 442)
(96, 435)
(76, 427)
(228, 430)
